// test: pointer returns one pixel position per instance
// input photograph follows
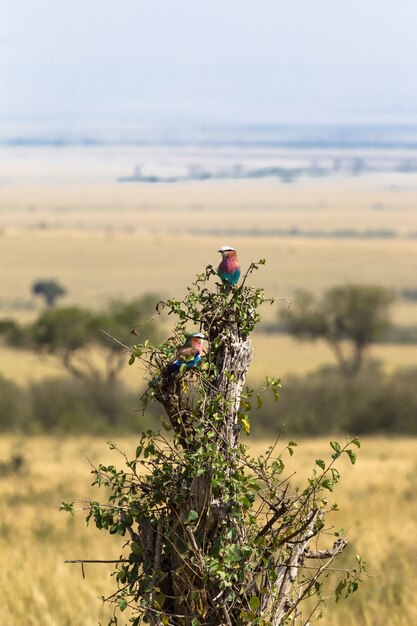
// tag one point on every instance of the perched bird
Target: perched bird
(229, 268)
(189, 353)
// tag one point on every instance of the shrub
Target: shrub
(12, 405)
(67, 405)
(325, 402)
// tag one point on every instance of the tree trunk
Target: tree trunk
(233, 358)
(232, 361)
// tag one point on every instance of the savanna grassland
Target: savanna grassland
(105, 241)
(116, 241)
(376, 497)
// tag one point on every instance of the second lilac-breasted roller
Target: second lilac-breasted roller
(229, 268)
(189, 353)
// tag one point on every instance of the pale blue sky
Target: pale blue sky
(214, 61)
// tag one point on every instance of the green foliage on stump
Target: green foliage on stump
(214, 536)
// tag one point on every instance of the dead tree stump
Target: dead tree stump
(217, 537)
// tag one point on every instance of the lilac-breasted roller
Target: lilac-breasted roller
(229, 268)
(189, 353)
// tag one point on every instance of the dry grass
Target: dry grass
(368, 202)
(105, 241)
(376, 499)
(37, 587)
(96, 267)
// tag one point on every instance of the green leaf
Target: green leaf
(321, 464)
(335, 474)
(291, 444)
(233, 553)
(68, 507)
(254, 603)
(356, 442)
(339, 589)
(159, 600)
(166, 425)
(352, 586)
(336, 446)
(191, 516)
(352, 456)
(132, 359)
(327, 484)
(136, 548)
(277, 465)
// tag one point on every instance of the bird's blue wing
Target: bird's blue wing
(175, 365)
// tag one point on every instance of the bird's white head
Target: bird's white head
(224, 249)
(198, 335)
(195, 340)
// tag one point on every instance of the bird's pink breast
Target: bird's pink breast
(229, 264)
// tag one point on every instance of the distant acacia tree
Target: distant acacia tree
(50, 290)
(348, 317)
(73, 335)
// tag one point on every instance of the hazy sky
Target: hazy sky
(212, 61)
